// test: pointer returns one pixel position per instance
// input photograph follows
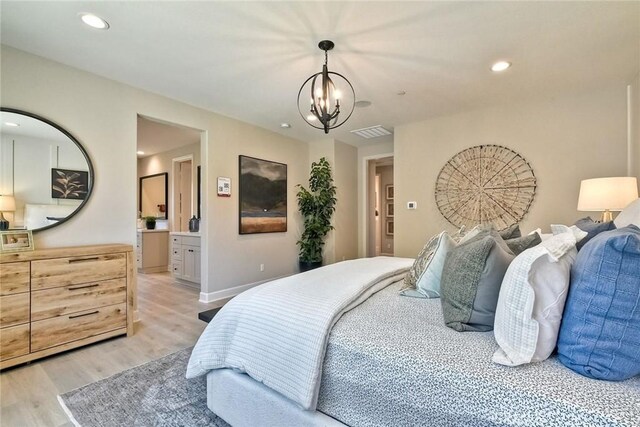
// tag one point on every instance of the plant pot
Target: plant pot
(151, 225)
(306, 265)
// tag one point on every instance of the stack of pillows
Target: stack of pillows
(577, 289)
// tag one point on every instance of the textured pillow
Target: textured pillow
(531, 301)
(471, 278)
(629, 215)
(423, 280)
(521, 244)
(511, 232)
(592, 228)
(600, 331)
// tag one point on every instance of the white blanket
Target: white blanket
(277, 332)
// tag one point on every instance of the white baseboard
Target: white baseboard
(209, 297)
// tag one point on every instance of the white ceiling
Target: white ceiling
(248, 59)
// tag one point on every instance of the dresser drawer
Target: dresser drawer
(76, 270)
(14, 310)
(63, 329)
(191, 241)
(14, 341)
(14, 278)
(74, 298)
(176, 252)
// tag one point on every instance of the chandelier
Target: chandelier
(331, 104)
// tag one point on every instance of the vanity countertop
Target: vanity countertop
(184, 233)
(144, 230)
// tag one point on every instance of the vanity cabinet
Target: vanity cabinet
(185, 257)
(152, 251)
(53, 300)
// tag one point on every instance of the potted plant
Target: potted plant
(150, 222)
(317, 205)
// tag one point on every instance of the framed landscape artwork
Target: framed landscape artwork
(263, 196)
(69, 184)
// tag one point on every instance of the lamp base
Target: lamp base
(607, 216)
(4, 224)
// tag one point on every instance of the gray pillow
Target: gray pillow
(471, 279)
(511, 232)
(521, 244)
(592, 228)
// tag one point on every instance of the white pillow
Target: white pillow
(532, 300)
(427, 268)
(629, 215)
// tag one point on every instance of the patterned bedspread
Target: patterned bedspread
(391, 361)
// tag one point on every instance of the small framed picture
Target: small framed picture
(389, 228)
(16, 240)
(224, 186)
(389, 190)
(389, 209)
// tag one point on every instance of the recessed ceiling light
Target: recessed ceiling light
(94, 21)
(139, 153)
(11, 124)
(285, 125)
(500, 66)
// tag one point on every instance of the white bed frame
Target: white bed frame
(241, 401)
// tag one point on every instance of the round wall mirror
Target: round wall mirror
(46, 176)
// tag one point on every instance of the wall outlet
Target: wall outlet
(412, 205)
(261, 267)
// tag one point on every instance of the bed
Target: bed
(390, 360)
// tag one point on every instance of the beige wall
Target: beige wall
(346, 216)
(162, 162)
(634, 127)
(565, 139)
(102, 114)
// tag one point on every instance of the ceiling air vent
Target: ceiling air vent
(371, 132)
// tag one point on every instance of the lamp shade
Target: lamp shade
(7, 204)
(613, 194)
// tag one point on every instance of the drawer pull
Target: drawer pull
(190, 250)
(95, 258)
(84, 287)
(86, 314)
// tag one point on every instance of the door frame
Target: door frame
(364, 200)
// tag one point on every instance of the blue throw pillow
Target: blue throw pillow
(592, 228)
(600, 331)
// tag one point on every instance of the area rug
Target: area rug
(154, 394)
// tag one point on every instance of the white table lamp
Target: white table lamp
(7, 204)
(607, 194)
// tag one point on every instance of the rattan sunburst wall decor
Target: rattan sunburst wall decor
(485, 184)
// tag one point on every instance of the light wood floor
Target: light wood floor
(168, 322)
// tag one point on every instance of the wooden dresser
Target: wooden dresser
(53, 300)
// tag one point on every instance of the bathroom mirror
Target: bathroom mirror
(153, 195)
(44, 169)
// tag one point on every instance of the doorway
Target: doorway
(380, 207)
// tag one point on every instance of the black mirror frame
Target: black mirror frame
(166, 191)
(82, 150)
